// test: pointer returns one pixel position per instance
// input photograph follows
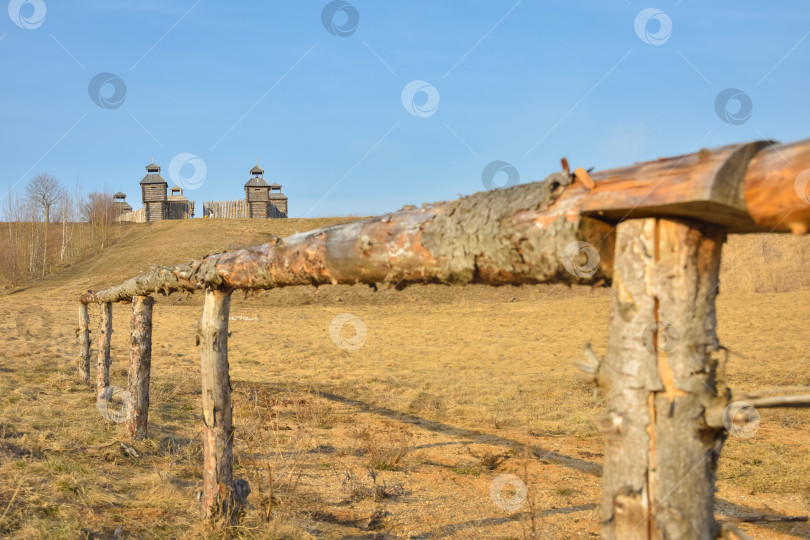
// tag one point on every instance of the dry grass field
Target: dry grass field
(400, 438)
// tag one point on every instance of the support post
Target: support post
(222, 498)
(140, 365)
(661, 373)
(84, 343)
(103, 355)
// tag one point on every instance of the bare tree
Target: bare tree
(99, 212)
(13, 251)
(43, 192)
(67, 211)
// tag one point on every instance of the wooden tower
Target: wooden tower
(153, 190)
(278, 199)
(120, 204)
(177, 206)
(257, 193)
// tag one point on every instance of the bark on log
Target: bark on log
(661, 374)
(222, 497)
(506, 236)
(84, 343)
(140, 365)
(103, 356)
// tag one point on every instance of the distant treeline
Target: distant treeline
(48, 227)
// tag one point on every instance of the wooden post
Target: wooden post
(84, 343)
(103, 356)
(140, 364)
(222, 498)
(661, 374)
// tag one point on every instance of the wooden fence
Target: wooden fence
(226, 209)
(135, 216)
(654, 230)
(236, 209)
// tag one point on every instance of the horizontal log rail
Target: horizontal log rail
(672, 217)
(491, 237)
(514, 235)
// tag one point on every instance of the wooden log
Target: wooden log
(660, 375)
(504, 236)
(103, 355)
(84, 343)
(222, 497)
(777, 188)
(706, 185)
(762, 518)
(514, 235)
(140, 365)
(779, 401)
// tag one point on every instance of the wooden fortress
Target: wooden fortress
(262, 200)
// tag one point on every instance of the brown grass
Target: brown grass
(400, 438)
(766, 263)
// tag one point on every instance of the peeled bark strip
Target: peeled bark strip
(222, 498)
(84, 343)
(103, 355)
(140, 365)
(661, 374)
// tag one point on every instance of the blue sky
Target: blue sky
(521, 82)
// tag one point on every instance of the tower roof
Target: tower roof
(257, 170)
(153, 175)
(122, 207)
(275, 185)
(257, 181)
(119, 195)
(153, 178)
